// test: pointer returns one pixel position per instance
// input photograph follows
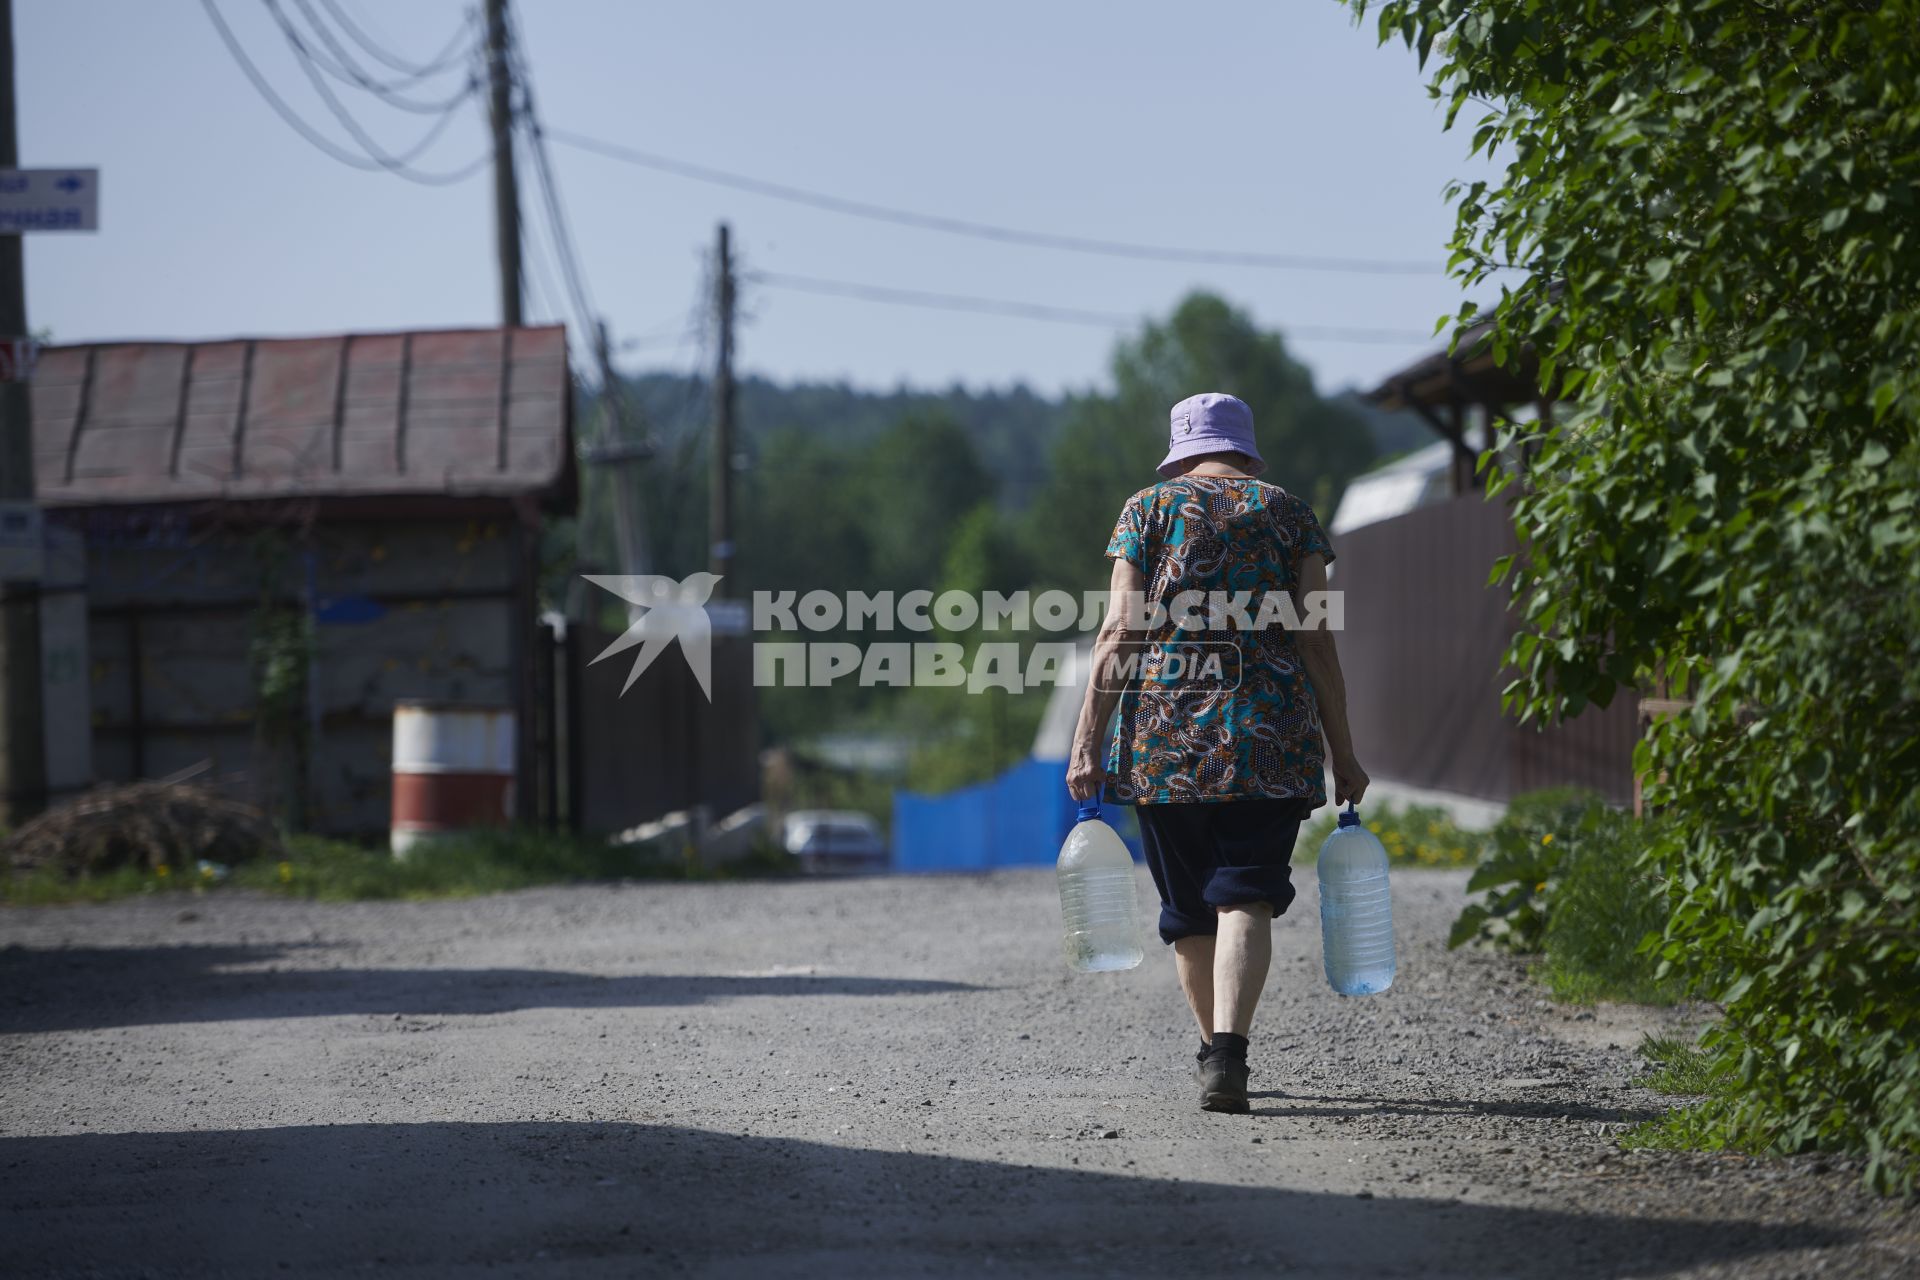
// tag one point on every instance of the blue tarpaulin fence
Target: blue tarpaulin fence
(1015, 820)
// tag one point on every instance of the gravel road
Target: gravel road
(887, 1077)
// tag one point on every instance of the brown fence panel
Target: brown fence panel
(1422, 656)
(1594, 749)
(661, 746)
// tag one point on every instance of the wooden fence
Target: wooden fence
(661, 745)
(1422, 657)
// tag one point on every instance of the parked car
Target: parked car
(835, 840)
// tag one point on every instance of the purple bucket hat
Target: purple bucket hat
(1210, 423)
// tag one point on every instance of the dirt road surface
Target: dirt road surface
(877, 1077)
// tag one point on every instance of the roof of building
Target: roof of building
(1394, 489)
(480, 412)
(1470, 376)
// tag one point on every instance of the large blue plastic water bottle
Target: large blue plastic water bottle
(1099, 900)
(1356, 910)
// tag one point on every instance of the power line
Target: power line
(314, 136)
(983, 230)
(274, 100)
(380, 155)
(940, 301)
(447, 57)
(1041, 311)
(557, 225)
(344, 67)
(551, 302)
(554, 299)
(558, 229)
(675, 337)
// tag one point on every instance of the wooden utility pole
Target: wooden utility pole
(506, 189)
(622, 450)
(720, 522)
(23, 759)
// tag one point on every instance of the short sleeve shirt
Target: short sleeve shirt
(1218, 708)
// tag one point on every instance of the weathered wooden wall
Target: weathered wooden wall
(401, 609)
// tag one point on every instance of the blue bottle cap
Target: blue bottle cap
(1349, 818)
(1089, 810)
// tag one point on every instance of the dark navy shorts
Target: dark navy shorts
(1229, 853)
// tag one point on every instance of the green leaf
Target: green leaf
(1883, 397)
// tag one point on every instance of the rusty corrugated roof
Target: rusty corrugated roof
(475, 411)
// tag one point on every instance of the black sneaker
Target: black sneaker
(1223, 1084)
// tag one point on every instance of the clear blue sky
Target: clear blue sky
(1264, 125)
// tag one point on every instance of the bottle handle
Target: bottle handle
(1089, 810)
(1351, 818)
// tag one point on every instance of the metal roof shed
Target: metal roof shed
(479, 412)
(387, 487)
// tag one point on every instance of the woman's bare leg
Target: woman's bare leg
(1241, 957)
(1193, 961)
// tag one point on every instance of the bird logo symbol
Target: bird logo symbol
(669, 610)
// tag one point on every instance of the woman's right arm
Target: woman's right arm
(1322, 660)
(1086, 768)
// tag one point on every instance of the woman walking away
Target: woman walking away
(1216, 650)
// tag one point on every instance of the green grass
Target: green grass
(1414, 836)
(38, 888)
(1572, 984)
(464, 866)
(1564, 878)
(1603, 910)
(1680, 1069)
(1683, 1130)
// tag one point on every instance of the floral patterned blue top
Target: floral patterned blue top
(1217, 709)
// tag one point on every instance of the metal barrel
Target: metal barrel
(452, 769)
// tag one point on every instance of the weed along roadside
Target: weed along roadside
(497, 861)
(464, 865)
(1573, 887)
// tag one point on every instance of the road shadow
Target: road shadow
(1547, 1107)
(80, 988)
(620, 1199)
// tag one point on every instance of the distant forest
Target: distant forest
(1012, 433)
(1011, 429)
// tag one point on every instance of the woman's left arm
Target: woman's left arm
(1087, 768)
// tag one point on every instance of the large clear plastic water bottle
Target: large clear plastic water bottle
(1099, 901)
(1356, 910)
